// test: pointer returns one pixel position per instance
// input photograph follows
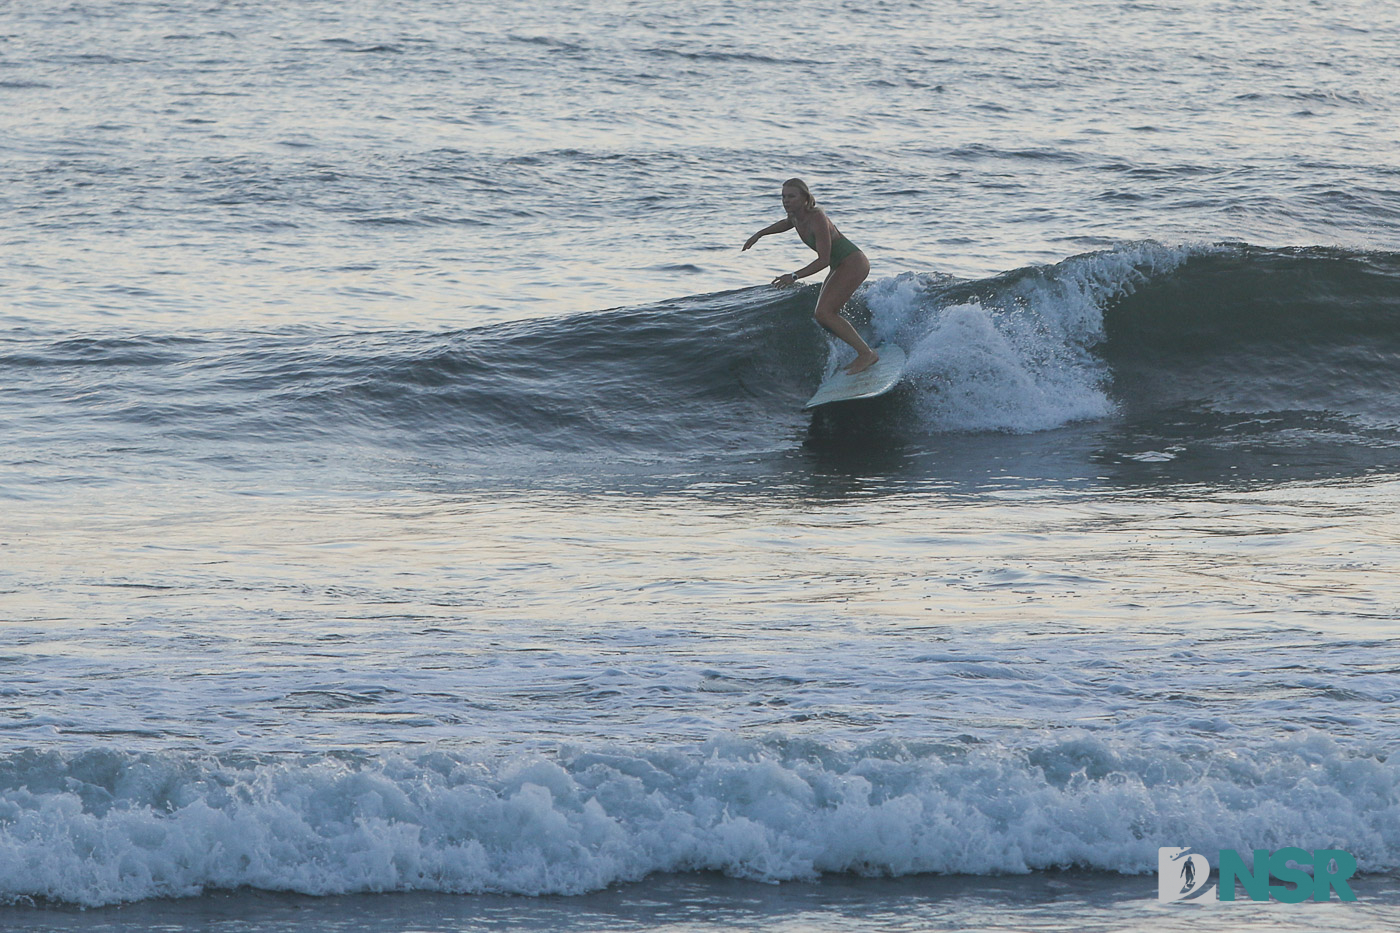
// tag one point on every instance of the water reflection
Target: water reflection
(877, 448)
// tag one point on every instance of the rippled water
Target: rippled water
(415, 163)
(404, 487)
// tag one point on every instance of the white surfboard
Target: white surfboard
(868, 383)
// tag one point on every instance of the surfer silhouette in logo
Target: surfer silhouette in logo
(848, 265)
(1188, 876)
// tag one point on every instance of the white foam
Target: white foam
(104, 827)
(1019, 358)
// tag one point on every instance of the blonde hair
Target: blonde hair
(801, 186)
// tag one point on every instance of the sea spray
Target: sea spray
(105, 826)
(1016, 352)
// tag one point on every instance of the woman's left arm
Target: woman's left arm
(823, 248)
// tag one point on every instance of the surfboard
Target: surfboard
(877, 380)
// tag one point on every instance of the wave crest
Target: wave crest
(104, 827)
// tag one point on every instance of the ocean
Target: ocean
(408, 521)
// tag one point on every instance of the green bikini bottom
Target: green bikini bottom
(840, 249)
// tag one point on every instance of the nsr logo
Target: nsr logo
(1181, 875)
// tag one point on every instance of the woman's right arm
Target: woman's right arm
(779, 227)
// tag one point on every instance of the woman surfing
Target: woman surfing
(848, 264)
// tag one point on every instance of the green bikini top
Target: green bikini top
(840, 247)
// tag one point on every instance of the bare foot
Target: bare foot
(862, 363)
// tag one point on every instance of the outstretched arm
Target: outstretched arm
(779, 227)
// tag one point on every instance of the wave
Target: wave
(104, 826)
(1255, 330)
(1178, 344)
